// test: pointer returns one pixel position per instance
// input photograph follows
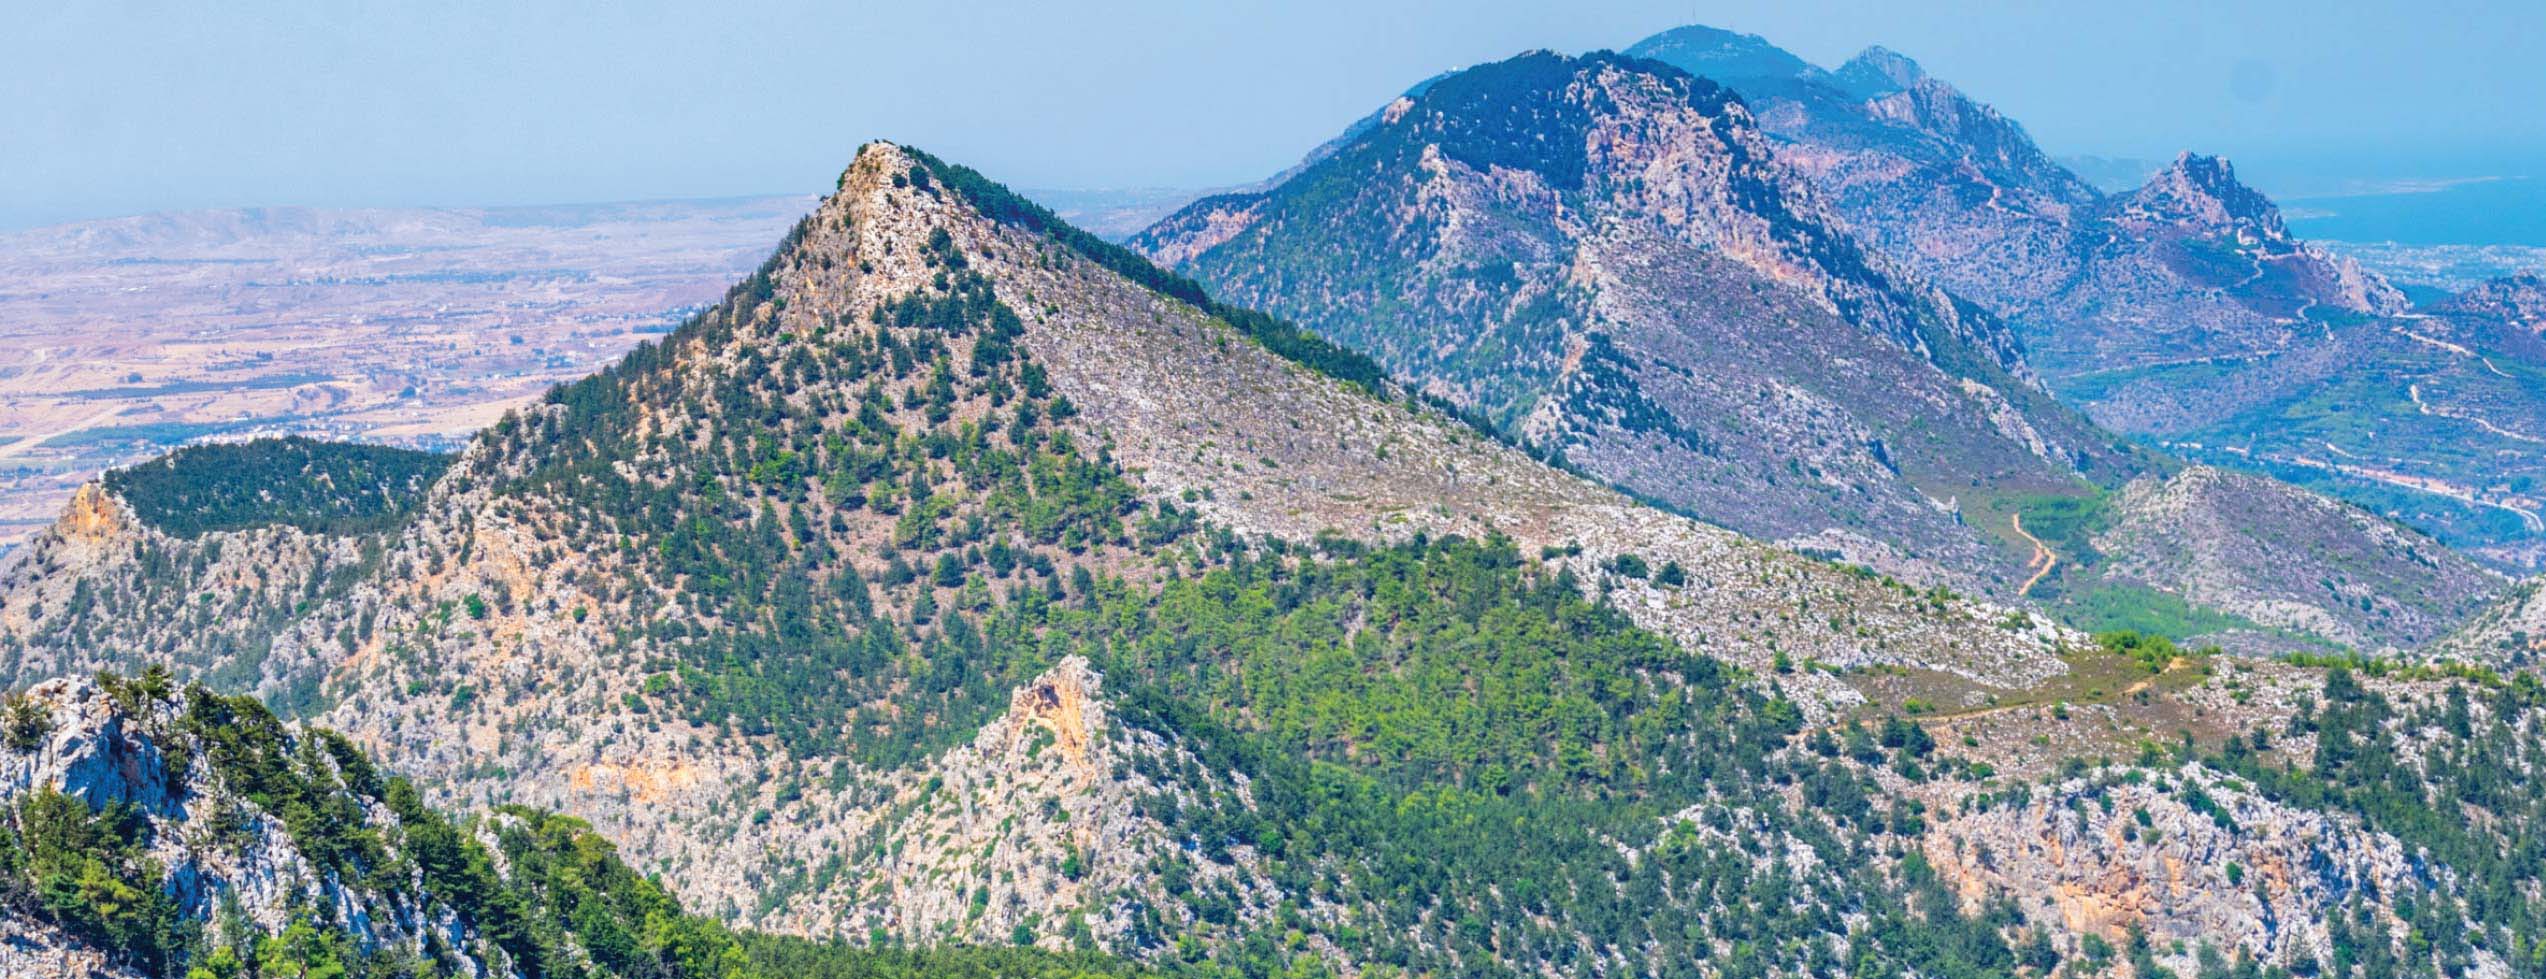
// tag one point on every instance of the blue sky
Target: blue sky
(121, 106)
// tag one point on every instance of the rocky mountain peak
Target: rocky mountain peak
(1717, 53)
(2203, 192)
(2199, 197)
(93, 514)
(1989, 145)
(888, 203)
(1677, 155)
(1878, 71)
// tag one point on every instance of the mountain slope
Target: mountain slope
(2190, 265)
(728, 597)
(2194, 267)
(2431, 417)
(1941, 183)
(964, 579)
(2181, 309)
(149, 831)
(152, 831)
(2303, 563)
(1603, 256)
(1672, 309)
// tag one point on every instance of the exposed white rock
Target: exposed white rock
(2123, 850)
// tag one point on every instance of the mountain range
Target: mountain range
(1614, 262)
(2183, 312)
(1610, 263)
(1546, 535)
(2191, 264)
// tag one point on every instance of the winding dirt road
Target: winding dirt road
(2042, 555)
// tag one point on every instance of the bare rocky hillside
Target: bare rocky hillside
(2180, 309)
(2254, 548)
(1611, 260)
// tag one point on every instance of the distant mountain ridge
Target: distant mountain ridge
(1555, 242)
(1612, 261)
(2180, 309)
(1959, 192)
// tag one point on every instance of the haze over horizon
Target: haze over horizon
(130, 108)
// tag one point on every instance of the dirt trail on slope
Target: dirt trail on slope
(1949, 719)
(2042, 554)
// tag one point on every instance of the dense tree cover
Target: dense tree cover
(90, 872)
(571, 882)
(788, 957)
(339, 488)
(1454, 744)
(2456, 775)
(1439, 662)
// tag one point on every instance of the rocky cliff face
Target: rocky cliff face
(104, 753)
(184, 813)
(37, 951)
(2184, 858)
(1624, 270)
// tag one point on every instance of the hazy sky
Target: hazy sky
(119, 106)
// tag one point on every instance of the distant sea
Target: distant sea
(2503, 211)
